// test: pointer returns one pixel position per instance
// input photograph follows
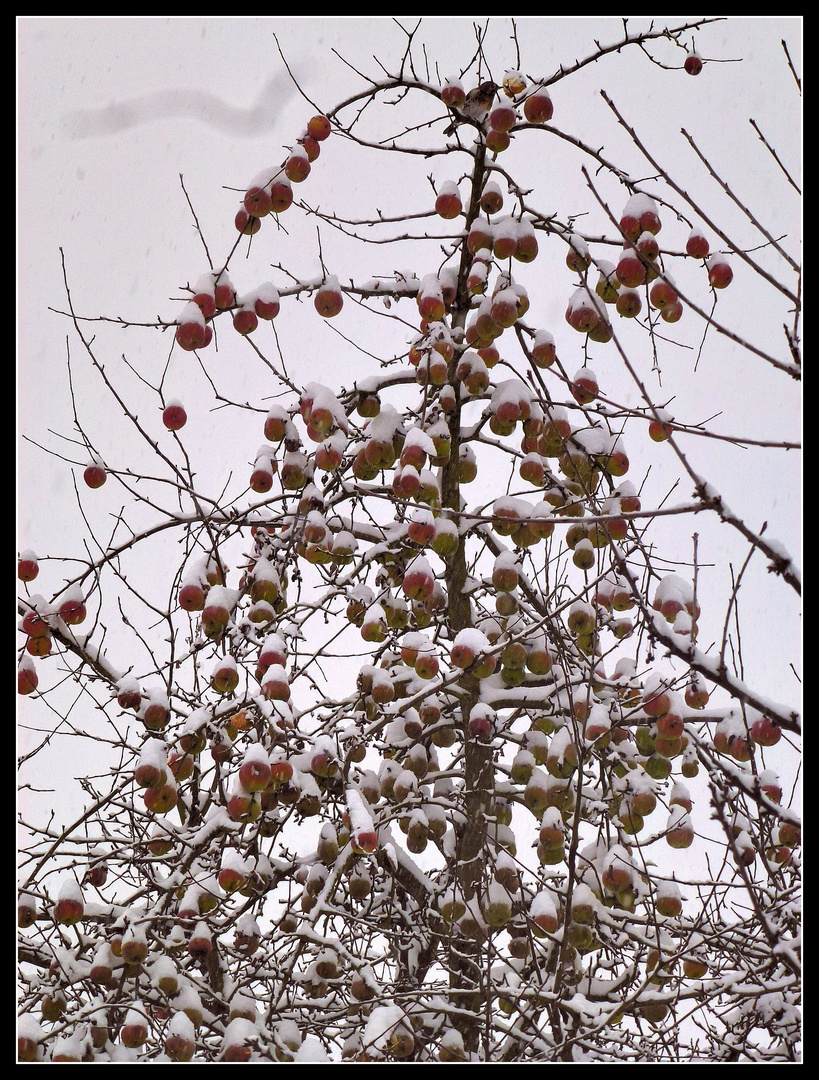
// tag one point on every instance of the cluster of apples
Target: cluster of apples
(271, 192)
(41, 618)
(637, 266)
(502, 116)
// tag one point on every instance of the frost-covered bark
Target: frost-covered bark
(410, 749)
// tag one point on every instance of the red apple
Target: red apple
(491, 198)
(39, 646)
(630, 270)
(527, 246)
(720, 274)
(245, 223)
(497, 141)
(181, 766)
(672, 313)
(584, 387)
(503, 117)
(480, 237)
(225, 678)
(311, 147)
(328, 300)
(174, 416)
(27, 679)
(95, 474)
(69, 910)
(255, 774)
(319, 127)
(697, 244)
(245, 320)
(133, 1035)
(179, 1048)
(192, 597)
(662, 294)
(693, 64)
(538, 107)
(257, 202)
(453, 94)
(281, 194)
(297, 166)
(581, 314)
(448, 204)
(765, 732)
(266, 302)
(27, 566)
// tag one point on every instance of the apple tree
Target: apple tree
(405, 663)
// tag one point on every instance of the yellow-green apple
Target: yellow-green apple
(660, 428)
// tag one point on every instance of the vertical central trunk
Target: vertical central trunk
(465, 963)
